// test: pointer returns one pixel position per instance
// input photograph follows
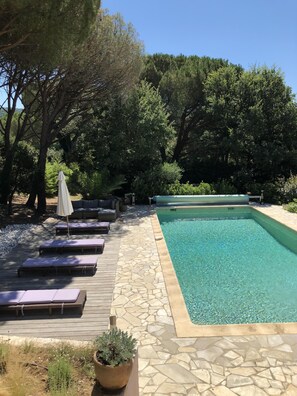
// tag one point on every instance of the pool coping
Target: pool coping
(183, 324)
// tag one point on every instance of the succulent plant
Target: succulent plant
(115, 347)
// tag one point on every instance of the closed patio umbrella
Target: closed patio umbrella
(64, 207)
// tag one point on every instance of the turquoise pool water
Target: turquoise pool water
(230, 269)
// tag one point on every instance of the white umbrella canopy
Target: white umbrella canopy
(64, 207)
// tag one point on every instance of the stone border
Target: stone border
(183, 325)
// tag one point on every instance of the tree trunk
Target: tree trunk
(41, 195)
(38, 181)
(182, 138)
(5, 177)
(10, 198)
(38, 187)
(33, 194)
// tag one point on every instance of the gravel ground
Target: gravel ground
(11, 235)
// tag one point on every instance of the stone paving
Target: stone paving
(207, 366)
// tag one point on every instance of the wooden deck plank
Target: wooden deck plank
(99, 288)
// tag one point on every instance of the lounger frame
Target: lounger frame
(18, 308)
(96, 227)
(96, 249)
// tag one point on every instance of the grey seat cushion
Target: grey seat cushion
(89, 204)
(105, 203)
(77, 204)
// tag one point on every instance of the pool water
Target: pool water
(231, 270)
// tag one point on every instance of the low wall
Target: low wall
(238, 199)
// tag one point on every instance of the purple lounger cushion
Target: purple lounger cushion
(60, 261)
(93, 242)
(11, 297)
(44, 264)
(66, 295)
(94, 245)
(101, 224)
(77, 260)
(38, 296)
(21, 300)
(40, 262)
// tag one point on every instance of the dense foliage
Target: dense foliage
(118, 121)
(44, 31)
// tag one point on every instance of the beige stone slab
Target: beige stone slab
(223, 391)
(177, 373)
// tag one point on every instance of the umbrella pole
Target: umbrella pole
(68, 232)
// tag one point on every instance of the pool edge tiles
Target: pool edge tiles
(183, 325)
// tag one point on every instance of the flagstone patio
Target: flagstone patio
(208, 366)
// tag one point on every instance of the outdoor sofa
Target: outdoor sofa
(25, 300)
(48, 264)
(100, 209)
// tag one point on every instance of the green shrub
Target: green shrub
(289, 189)
(225, 187)
(69, 353)
(98, 184)
(51, 176)
(291, 206)
(59, 375)
(178, 188)
(272, 190)
(115, 347)
(156, 181)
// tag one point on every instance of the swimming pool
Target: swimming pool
(234, 265)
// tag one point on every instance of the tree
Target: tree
(256, 129)
(45, 31)
(15, 123)
(107, 63)
(33, 33)
(147, 130)
(181, 84)
(209, 156)
(126, 136)
(21, 172)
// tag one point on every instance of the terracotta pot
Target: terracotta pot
(112, 377)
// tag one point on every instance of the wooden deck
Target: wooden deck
(70, 325)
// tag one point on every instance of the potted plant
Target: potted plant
(113, 358)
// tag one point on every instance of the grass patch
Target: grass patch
(60, 370)
(59, 376)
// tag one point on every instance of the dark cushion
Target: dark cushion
(77, 204)
(105, 203)
(92, 203)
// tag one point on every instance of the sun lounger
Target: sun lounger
(25, 300)
(95, 245)
(47, 264)
(99, 227)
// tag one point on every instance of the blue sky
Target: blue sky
(245, 32)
